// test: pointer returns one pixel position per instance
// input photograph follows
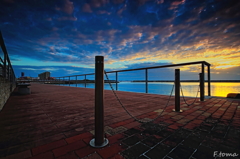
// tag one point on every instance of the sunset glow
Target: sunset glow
(64, 36)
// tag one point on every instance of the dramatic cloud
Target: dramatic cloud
(127, 33)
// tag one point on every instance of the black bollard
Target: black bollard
(177, 91)
(99, 140)
(201, 76)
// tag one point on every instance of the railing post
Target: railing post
(116, 81)
(99, 140)
(69, 80)
(8, 70)
(209, 82)
(146, 80)
(76, 81)
(85, 81)
(177, 91)
(5, 55)
(201, 86)
(10, 79)
(5, 66)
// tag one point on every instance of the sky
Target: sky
(64, 36)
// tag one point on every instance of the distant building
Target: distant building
(44, 75)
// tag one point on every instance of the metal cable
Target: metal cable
(185, 99)
(141, 121)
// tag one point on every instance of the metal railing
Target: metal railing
(67, 79)
(6, 69)
(99, 140)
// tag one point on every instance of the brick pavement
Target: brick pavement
(58, 122)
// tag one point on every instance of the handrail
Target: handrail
(203, 63)
(7, 69)
(173, 65)
(1, 60)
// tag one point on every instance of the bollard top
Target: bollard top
(99, 56)
(99, 59)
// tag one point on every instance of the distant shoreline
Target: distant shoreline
(76, 81)
(113, 81)
(186, 81)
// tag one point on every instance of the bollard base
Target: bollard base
(92, 143)
(180, 111)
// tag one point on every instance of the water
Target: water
(190, 89)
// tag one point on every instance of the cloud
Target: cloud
(145, 64)
(67, 18)
(86, 8)
(226, 74)
(118, 1)
(125, 32)
(65, 6)
(98, 3)
(175, 4)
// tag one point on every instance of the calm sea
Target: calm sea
(191, 89)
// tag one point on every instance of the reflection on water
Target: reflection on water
(188, 88)
(222, 89)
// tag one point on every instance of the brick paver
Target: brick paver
(58, 122)
(47, 147)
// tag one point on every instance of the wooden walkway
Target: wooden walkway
(58, 121)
